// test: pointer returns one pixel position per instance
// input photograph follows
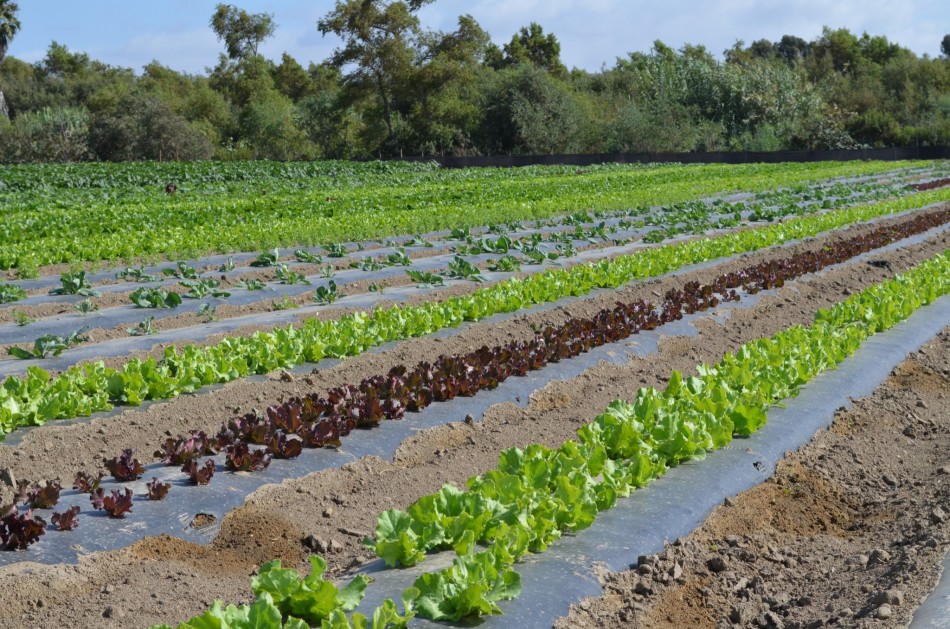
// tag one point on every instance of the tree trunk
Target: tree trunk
(4, 111)
(387, 114)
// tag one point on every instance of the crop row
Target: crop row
(321, 421)
(538, 494)
(546, 241)
(47, 226)
(84, 389)
(314, 421)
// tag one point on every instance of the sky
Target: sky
(132, 33)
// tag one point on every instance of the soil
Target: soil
(851, 530)
(166, 580)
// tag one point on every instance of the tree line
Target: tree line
(394, 88)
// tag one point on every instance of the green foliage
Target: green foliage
(326, 295)
(21, 318)
(74, 283)
(267, 258)
(109, 212)
(462, 269)
(201, 288)
(182, 271)
(82, 389)
(10, 293)
(130, 274)
(302, 255)
(50, 134)
(144, 126)
(536, 494)
(143, 328)
(85, 307)
(425, 279)
(252, 284)
(285, 600)
(241, 32)
(286, 276)
(49, 345)
(155, 298)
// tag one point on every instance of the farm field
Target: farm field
(438, 388)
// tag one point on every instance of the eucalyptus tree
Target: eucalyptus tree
(379, 44)
(241, 32)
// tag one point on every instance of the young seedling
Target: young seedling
(268, 258)
(286, 276)
(227, 266)
(302, 255)
(335, 250)
(328, 270)
(136, 275)
(418, 241)
(326, 295)
(10, 293)
(182, 271)
(460, 233)
(208, 311)
(252, 284)
(199, 289)
(21, 318)
(366, 264)
(426, 279)
(50, 345)
(155, 298)
(144, 328)
(85, 307)
(399, 258)
(284, 304)
(74, 283)
(506, 264)
(463, 269)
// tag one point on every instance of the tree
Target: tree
(241, 31)
(531, 45)
(291, 79)
(792, 48)
(143, 126)
(9, 26)
(378, 37)
(944, 46)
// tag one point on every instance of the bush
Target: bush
(52, 134)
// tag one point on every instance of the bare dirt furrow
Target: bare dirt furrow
(850, 531)
(163, 579)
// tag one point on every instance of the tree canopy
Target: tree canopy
(394, 87)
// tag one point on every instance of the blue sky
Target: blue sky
(131, 33)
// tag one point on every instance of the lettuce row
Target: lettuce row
(537, 494)
(84, 389)
(284, 600)
(308, 207)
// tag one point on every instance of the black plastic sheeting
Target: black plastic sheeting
(15, 437)
(677, 503)
(131, 315)
(228, 490)
(699, 157)
(377, 248)
(124, 315)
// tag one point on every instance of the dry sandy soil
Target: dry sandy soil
(851, 531)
